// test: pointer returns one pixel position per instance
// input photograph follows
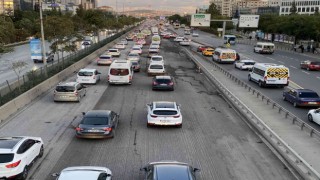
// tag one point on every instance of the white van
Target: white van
(268, 74)
(264, 47)
(224, 55)
(229, 39)
(120, 72)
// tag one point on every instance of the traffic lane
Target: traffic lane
(273, 93)
(213, 138)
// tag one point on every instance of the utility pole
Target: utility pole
(43, 47)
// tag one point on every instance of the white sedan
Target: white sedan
(185, 42)
(244, 64)
(164, 113)
(120, 46)
(178, 39)
(314, 115)
(136, 50)
(84, 172)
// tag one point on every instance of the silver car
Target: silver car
(133, 57)
(69, 91)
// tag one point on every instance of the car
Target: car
(86, 43)
(49, 57)
(141, 42)
(208, 52)
(162, 83)
(185, 42)
(178, 39)
(88, 76)
(301, 97)
(135, 66)
(84, 172)
(246, 64)
(173, 35)
(166, 36)
(18, 154)
(163, 33)
(136, 50)
(155, 45)
(164, 113)
(133, 57)
(156, 68)
(195, 34)
(156, 58)
(153, 49)
(310, 65)
(314, 115)
(120, 46)
(167, 170)
(105, 59)
(69, 91)
(203, 47)
(98, 124)
(114, 52)
(129, 38)
(124, 41)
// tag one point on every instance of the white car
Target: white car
(164, 113)
(156, 68)
(88, 76)
(185, 42)
(155, 59)
(178, 39)
(314, 115)
(155, 45)
(120, 46)
(195, 34)
(18, 154)
(84, 172)
(105, 59)
(136, 50)
(138, 45)
(114, 52)
(133, 57)
(153, 49)
(244, 64)
(124, 41)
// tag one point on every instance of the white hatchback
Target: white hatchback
(114, 52)
(244, 64)
(88, 76)
(158, 59)
(84, 172)
(164, 113)
(136, 50)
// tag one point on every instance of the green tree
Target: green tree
(213, 10)
(293, 9)
(7, 30)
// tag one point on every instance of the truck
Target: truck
(36, 53)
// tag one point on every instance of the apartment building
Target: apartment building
(224, 6)
(7, 7)
(202, 9)
(303, 6)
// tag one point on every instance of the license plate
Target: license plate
(163, 84)
(164, 121)
(312, 103)
(93, 130)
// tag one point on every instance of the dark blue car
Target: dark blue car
(302, 97)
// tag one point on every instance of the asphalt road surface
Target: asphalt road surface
(213, 137)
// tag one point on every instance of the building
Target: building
(303, 6)
(7, 7)
(251, 4)
(274, 3)
(88, 4)
(224, 6)
(268, 10)
(105, 8)
(202, 9)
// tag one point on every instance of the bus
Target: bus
(231, 39)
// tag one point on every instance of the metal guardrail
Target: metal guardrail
(295, 160)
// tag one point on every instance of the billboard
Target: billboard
(249, 21)
(202, 20)
(35, 48)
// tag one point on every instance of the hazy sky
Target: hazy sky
(180, 6)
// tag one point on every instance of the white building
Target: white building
(202, 9)
(303, 6)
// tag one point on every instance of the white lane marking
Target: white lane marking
(294, 85)
(293, 67)
(271, 58)
(281, 62)
(306, 72)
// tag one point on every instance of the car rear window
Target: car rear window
(105, 57)
(95, 121)
(5, 158)
(156, 59)
(166, 81)
(135, 63)
(165, 112)
(65, 88)
(133, 54)
(308, 95)
(249, 63)
(315, 63)
(119, 72)
(85, 73)
(136, 48)
(113, 50)
(156, 66)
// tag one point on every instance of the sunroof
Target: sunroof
(164, 105)
(9, 143)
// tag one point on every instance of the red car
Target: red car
(167, 36)
(201, 48)
(310, 65)
(173, 35)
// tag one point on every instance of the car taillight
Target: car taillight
(76, 93)
(155, 83)
(107, 129)
(154, 116)
(171, 83)
(176, 116)
(265, 78)
(78, 129)
(108, 77)
(13, 165)
(98, 59)
(94, 77)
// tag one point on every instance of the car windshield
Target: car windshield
(85, 73)
(119, 72)
(5, 158)
(165, 112)
(95, 121)
(308, 95)
(135, 63)
(65, 88)
(134, 55)
(249, 63)
(135, 48)
(156, 66)
(113, 50)
(156, 59)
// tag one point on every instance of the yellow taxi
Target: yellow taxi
(208, 52)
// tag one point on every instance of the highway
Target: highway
(298, 77)
(213, 137)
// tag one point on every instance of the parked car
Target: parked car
(310, 65)
(301, 97)
(88, 76)
(69, 91)
(314, 115)
(156, 68)
(244, 64)
(18, 154)
(162, 83)
(135, 66)
(164, 113)
(84, 172)
(169, 170)
(114, 52)
(98, 124)
(105, 59)
(202, 47)
(208, 51)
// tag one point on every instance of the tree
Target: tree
(293, 9)
(316, 11)
(213, 10)
(17, 67)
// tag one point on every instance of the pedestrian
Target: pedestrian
(250, 37)
(313, 49)
(294, 47)
(308, 48)
(302, 48)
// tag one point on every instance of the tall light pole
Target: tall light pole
(43, 47)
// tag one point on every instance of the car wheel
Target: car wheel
(260, 84)
(308, 69)
(310, 118)
(148, 125)
(179, 126)
(79, 99)
(284, 98)
(24, 174)
(249, 78)
(113, 133)
(41, 152)
(295, 104)
(235, 66)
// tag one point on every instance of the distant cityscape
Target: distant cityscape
(228, 8)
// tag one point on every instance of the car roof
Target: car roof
(83, 172)
(304, 90)
(247, 60)
(156, 57)
(87, 70)
(10, 142)
(67, 84)
(97, 113)
(163, 77)
(164, 104)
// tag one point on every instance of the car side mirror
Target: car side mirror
(144, 169)
(83, 113)
(196, 170)
(118, 115)
(98, 72)
(55, 174)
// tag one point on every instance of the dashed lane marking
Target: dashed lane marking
(294, 67)
(306, 72)
(281, 62)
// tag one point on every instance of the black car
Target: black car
(165, 170)
(98, 124)
(162, 83)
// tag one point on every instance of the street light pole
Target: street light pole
(43, 47)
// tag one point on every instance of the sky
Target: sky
(179, 6)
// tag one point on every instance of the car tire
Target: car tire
(41, 152)
(79, 99)
(260, 84)
(310, 118)
(249, 78)
(179, 126)
(284, 98)
(148, 125)
(24, 174)
(235, 66)
(295, 104)
(308, 69)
